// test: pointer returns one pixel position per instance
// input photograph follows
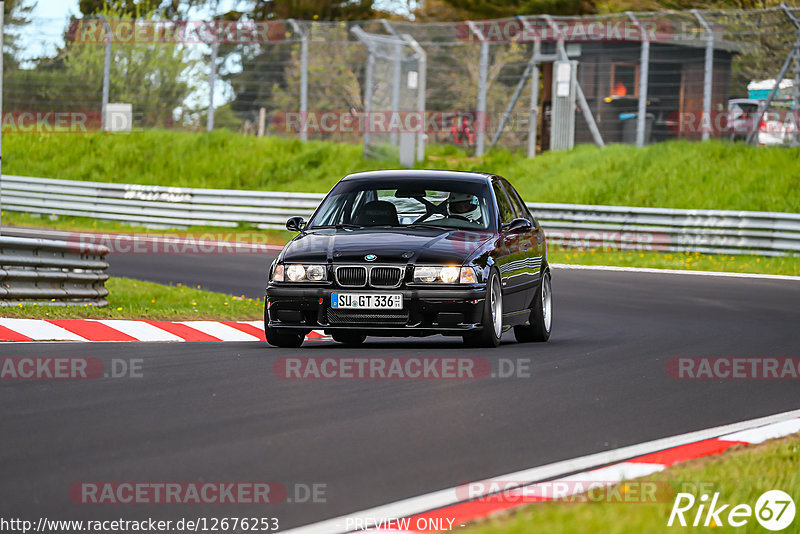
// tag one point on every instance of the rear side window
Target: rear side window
(517, 204)
(505, 210)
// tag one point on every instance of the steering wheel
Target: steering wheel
(457, 216)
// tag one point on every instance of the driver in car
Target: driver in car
(464, 205)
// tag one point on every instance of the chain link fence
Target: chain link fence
(641, 78)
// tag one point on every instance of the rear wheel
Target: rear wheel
(289, 339)
(348, 337)
(541, 319)
(492, 321)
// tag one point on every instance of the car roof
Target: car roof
(399, 174)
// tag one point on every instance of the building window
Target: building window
(623, 79)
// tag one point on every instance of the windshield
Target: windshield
(406, 203)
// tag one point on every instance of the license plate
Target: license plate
(367, 301)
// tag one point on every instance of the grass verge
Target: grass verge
(740, 475)
(691, 261)
(134, 299)
(676, 174)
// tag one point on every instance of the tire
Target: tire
(348, 337)
(492, 321)
(288, 339)
(541, 318)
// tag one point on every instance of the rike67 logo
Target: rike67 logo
(774, 510)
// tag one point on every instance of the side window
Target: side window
(520, 209)
(503, 204)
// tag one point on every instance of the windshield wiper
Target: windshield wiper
(339, 226)
(428, 225)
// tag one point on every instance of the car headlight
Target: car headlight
(315, 273)
(303, 273)
(277, 274)
(446, 274)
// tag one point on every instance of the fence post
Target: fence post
(483, 74)
(398, 69)
(533, 113)
(106, 73)
(708, 74)
(644, 67)
(368, 74)
(422, 61)
(303, 76)
(561, 52)
(212, 78)
(262, 121)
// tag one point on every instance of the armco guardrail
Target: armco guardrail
(570, 225)
(51, 272)
(154, 205)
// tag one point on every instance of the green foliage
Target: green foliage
(149, 77)
(676, 174)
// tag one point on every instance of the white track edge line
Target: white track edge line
(673, 271)
(446, 497)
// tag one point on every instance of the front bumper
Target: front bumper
(447, 310)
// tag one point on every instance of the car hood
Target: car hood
(417, 245)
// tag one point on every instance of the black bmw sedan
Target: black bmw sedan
(413, 253)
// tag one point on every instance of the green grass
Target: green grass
(134, 299)
(675, 174)
(692, 261)
(740, 475)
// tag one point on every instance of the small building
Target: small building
(608, 74)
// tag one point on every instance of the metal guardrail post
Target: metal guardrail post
(644, 67)
(303, 76)
(708, 73)
(483, 75)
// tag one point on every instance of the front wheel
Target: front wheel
(541, 319)
(492, 322)
(287, 339)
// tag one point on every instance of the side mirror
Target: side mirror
(295, 224)
(518, 226)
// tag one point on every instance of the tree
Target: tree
(16, 13)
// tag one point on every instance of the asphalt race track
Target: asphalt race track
(216, 412)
